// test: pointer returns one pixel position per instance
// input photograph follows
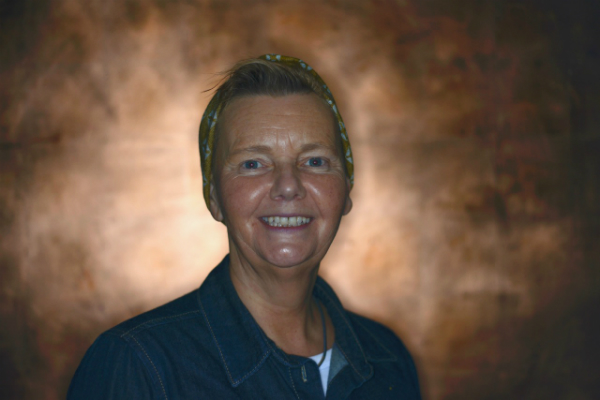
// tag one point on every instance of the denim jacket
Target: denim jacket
(206, 345)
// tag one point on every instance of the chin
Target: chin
(288, 258)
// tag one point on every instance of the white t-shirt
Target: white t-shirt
(324, 368)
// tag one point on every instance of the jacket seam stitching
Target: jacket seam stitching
(351, 330)
(153, 366)
(292, 381)
(252, 370)
(156, 320)
(282, 357)
(394, 358)
(238, 381)
(217, 342)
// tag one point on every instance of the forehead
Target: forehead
(272, 121)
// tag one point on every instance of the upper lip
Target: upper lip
(286, 215)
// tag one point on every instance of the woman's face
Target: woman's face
(280, 185)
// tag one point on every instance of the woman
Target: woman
(277, 169)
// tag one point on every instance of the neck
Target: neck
(281, 302)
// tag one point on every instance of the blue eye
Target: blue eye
(316, 162)
(251, 164)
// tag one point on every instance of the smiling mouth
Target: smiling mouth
(284, 222)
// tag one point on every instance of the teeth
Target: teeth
(283, 222)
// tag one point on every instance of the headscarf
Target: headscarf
(215, 106)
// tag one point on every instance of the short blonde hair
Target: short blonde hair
(255, 77)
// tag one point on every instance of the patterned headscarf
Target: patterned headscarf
(214, 108)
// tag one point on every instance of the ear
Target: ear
(348, 205)
(215, 208)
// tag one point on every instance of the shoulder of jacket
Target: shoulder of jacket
(377, 338)
(184, 307)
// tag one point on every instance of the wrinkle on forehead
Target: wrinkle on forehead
(277, 122)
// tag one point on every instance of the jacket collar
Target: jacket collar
(242, 345)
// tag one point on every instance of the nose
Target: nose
(287, 184)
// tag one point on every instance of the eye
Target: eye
(251, 164)
(315, 162)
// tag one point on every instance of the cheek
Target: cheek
(330, 193)
(241, 196)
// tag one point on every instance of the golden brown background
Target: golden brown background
(476, 134)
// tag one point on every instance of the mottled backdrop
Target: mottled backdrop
(475, 126)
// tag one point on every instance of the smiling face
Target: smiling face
(280, 185)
